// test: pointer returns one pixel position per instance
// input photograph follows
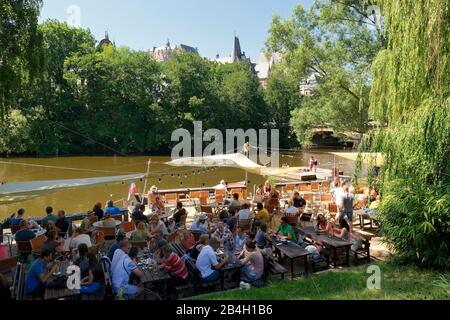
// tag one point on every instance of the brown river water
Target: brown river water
(82, 199)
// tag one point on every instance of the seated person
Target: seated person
(225, 236)
(52, 244)
(87, 225)
(48, 217)
(98, 211)
(172, 263)
(108, 221)
(90, 271)
(263, 215)
(253, 264)
(120, 238)
(200, 224)
(122, 266)
(322, 224)
(286, 231)
(24, 234)
(187, 240)
(20, 217)
(239, 240)
(138, 214)
(78, 237)
(140, 234)
(235, 202)
(244, 213)
(62, 224)
(291, 210)
(260, 237)
(158, 205)
(299, 201)
(39, 273)
(207, 263)
(179, 213)
(197, 248)
(112, 209)
(156, 225)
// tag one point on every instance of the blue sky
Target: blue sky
(207, 24)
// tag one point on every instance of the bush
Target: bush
(415, 221)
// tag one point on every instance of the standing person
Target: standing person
(98, 211)
(38, 274)
(346, 209)
(48, 217)
(246, 149)
(267, 188)
(312, 164)
(207, 262)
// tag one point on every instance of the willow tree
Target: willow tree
(410, 98)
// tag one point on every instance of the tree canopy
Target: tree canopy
(336, 41)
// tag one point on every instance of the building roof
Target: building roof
(105, 41)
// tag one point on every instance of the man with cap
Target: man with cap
(200, 224)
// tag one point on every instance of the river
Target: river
(83, 199)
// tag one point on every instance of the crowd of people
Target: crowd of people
(236, 244)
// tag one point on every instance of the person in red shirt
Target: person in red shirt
(173, 264)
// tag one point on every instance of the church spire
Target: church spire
(237, 53)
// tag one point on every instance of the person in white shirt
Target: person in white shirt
(207, 263)
(244, 213)
(291, 210)
(122, 266)
(78, 238)
(338, 193)
(221, 186)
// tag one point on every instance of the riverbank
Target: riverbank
(398, 282)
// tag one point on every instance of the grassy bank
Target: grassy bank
(397, 282)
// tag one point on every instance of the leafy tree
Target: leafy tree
(20, 57)
(337, 42)
(410, 95)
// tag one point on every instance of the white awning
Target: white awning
(21, 191)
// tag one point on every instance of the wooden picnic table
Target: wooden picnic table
(332, 243)
(55, 294)
(231, 267)
(153, 274)
(291, 250)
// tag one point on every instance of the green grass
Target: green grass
(397, 282)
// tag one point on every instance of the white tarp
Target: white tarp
(238, 160)
(20, 191)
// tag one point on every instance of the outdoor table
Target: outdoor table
(371, 215)
(293, 251)
(39, 232)
(229, 267)
(99, 224)
(333, 243)
(153, 274)
(55, 294)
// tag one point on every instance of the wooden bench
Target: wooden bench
(274, 268)
(364, 252)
